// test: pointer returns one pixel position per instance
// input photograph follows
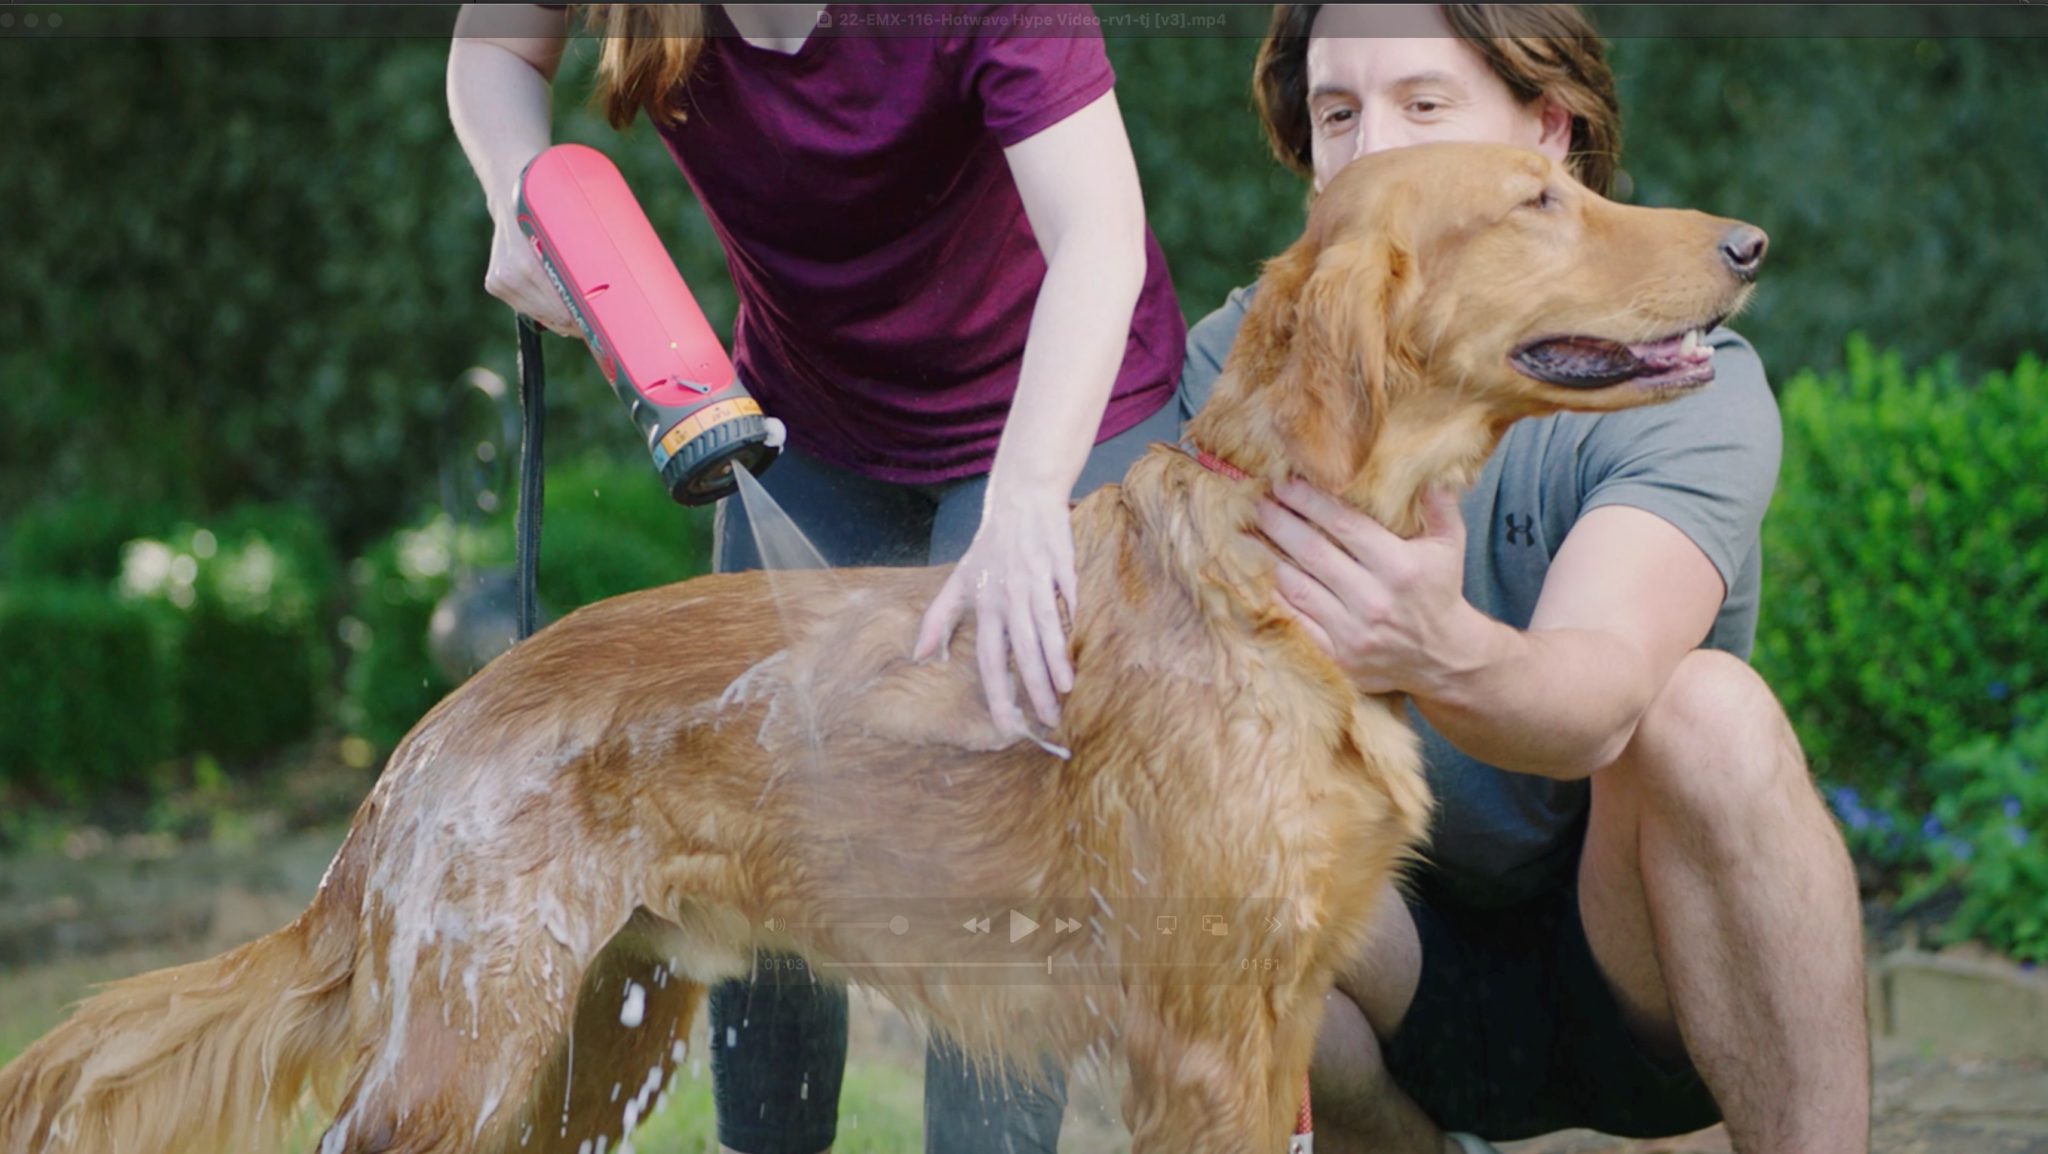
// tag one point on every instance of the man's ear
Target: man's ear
(1555, 141)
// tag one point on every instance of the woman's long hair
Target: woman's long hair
(648, 52)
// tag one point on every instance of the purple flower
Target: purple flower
(1931, 828)
(1998, 691)
(2011, 806)
(2018, 835)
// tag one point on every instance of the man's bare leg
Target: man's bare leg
(1357, 1107)
(1719, 900)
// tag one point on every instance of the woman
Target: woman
(948, 295)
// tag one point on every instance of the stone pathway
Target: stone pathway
(1922, 1105)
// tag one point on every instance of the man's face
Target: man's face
(1384, 76)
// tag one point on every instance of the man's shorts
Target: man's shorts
(1513, 1031)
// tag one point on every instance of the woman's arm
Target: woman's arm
(498, 100)
(1079, 185)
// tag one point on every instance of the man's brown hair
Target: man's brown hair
(1536, 49)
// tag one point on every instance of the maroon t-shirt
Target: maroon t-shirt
(885, 269)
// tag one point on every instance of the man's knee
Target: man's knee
(1347, 1076)
(1715, 744)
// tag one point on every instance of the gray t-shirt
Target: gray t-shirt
(1706, 463)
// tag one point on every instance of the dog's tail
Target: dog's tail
(207, 1057)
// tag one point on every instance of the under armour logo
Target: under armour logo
(1522, 534)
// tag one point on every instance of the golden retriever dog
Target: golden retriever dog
(508, 949)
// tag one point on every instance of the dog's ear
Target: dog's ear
(1332, 390)
(1310, 362)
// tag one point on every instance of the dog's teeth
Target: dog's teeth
(1691, 343)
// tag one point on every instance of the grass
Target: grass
(881, 1111)
(881, 1104)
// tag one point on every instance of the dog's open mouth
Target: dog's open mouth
(1680, 361)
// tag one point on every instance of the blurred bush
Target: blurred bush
(391, 679)
(607, 527)
(1214, 196)
(269, 302)
(1906, 565)
(79, 538)
(1991, 825)
(87, 689)
(611, 528)
(1898, 176)
(249, 597)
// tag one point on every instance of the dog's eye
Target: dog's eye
(1542, 200)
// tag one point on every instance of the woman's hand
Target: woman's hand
(1020, 564)
(1391, 611)
(516, 277)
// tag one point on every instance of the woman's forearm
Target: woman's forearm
(1079, 330)
(499, 104)
(1080, 190)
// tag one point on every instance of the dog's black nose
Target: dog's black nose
(1743, 249)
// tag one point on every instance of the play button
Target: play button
(1020, 925)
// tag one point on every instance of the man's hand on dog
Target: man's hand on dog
(1391, 611)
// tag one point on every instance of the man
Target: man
(1636, 914)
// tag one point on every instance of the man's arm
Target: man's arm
(1627, 597)
(1671, 501)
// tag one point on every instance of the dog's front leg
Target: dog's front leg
(1211, 1072)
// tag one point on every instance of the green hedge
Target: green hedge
(1898, 173)
(608, 527)
(1990, 822)
(1906, 565)
(80, 538)
(391, 680)
(249, 597)
(87, 690)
